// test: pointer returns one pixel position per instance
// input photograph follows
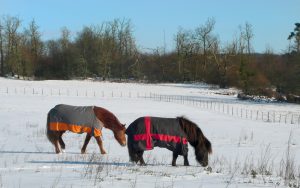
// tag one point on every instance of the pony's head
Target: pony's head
(202, 149)
(197, 139)
(111, 122)
(119, 135)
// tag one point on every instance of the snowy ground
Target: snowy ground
(246, 153)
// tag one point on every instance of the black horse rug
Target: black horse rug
(78, 119)
(147, 132)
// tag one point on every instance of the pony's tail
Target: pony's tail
(50, 134)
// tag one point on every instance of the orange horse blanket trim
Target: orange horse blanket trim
(77, 119)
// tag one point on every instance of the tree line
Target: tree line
(108, 50)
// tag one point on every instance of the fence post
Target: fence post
(280, 118)
(285, 118)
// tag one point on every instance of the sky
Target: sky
(156, 22)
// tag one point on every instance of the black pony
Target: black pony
(171, 133)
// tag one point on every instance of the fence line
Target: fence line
(70, 92)
(231, 109)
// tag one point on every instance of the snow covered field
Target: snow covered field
(246, 153)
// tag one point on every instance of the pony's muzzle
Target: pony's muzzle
(123, 144)
(204, 164)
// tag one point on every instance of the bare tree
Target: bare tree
(35, 39)
(246, 72)
(248, 36)
(223, 58)
(31, 49)
(65, 38)
(1, 49)
(181, 38)
(12, 49)
(205, 40)
(186, 50)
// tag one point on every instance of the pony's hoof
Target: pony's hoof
(83, 152)
(103, 152)
(186, 164)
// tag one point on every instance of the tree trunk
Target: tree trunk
(2, 55)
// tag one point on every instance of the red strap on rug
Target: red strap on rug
(148, 132)
(147, 136)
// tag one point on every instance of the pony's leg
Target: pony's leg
(175, 155)
(56, 144)
(132, 153)
(140, 158)
(100, 144)
(86, 141)
(61, 142)
(186, 161)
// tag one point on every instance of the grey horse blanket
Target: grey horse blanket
(77, 119)
(147, 132)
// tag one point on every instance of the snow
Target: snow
(246, 152)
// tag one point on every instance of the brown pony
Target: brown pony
(103, 117)
(145, 133)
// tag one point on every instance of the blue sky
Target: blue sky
(272, 20)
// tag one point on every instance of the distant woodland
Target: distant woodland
(108, 51)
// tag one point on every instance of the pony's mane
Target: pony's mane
(194, 133)
(108, 118)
